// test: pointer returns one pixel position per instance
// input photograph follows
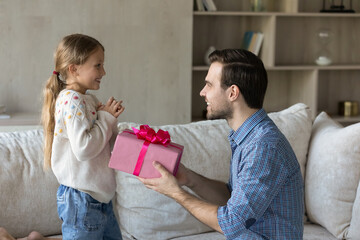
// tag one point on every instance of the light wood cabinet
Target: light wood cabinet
(289, 50)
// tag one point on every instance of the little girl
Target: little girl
(77, 131)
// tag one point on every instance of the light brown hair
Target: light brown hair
(73, 49)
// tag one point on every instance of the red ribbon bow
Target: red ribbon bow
(150, 136)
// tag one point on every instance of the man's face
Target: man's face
(218, 105)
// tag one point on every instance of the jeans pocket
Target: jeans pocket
(94, 218)
(60, 194)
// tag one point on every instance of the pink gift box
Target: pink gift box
(129, 149)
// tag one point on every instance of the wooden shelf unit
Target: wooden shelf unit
(288, 51)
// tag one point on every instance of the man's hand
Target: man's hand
(167, 184)
(182, 175)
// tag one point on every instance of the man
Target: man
(264, 196)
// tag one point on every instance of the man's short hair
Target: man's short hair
(245, 70)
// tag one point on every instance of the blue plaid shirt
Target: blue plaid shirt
(267, 197)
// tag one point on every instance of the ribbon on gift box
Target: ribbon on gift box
(150, 136)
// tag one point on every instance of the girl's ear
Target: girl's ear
(234, 92)
(72, 68)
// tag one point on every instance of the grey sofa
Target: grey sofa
(329, 156)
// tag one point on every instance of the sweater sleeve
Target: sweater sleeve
(88, 130)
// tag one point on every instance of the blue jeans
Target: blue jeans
(84, 217)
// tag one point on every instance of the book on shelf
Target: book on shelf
(251, 47)
(246, 40)
(252, 41)
(205, 5)
(199, 5)
(209, 5)
(258, 43)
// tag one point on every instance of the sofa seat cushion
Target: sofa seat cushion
(203, 236)
(311, 232)
(146, 214)
(332, 177)
(316, 232)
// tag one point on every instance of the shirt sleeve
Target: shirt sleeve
(261, 174)
(88, 131)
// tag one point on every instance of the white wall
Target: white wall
(147, 52)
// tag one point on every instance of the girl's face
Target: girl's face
(88, 75)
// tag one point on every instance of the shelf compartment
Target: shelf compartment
(286, 88)
(282, 6)
(336, 86)
(317, 5)
(345, 120)
(212, 31)
(297, 43)
(198, 104)
(245, 6)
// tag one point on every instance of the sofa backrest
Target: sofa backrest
(27, 192)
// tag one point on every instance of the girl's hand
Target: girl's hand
(100, 106)
(112, 106)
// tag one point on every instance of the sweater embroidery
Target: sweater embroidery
(70, 106)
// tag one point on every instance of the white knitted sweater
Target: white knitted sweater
(81, 146)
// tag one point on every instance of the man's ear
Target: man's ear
(234, 92)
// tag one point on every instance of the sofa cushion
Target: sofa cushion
(332, 175)
(203, 236)
(295, 123)
(146, 214)
(28, 193)
(354, 229)
(316, 232)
